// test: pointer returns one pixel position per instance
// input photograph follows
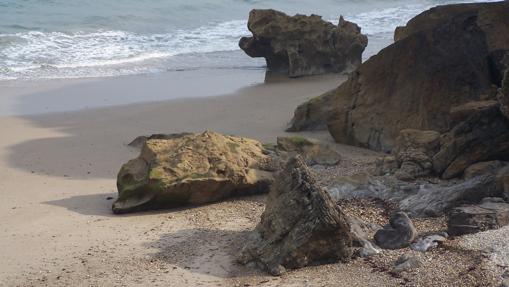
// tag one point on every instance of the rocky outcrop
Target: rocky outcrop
(191, 169)
(303, 45)
(492, 213)
(398, 234)
(414, 83)
(312, 152)
(301, 225)
(482, 136)
(412, 156)
(482, 168)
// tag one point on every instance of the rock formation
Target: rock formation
(301, 225)
(492, 213)
(413, 84)
(190, 169)
(312, 152)
(482, 136)
(303, 45)
(412, 155)
(398, 234)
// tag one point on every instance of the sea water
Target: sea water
(46, 39)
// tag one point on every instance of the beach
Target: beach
(59, 174)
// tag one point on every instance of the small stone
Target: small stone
(369, 250)
(398, 234)
(406, 262)
(425, 243)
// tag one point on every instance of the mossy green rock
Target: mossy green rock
(192, 169)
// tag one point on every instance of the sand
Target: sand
(57, 175)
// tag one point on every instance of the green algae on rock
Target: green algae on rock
(192, 169)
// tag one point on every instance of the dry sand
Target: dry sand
(57, 182)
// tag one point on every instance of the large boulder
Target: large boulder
(301, 225)
(492, 213)
(303, 45)
(191, 169)
(414, 82)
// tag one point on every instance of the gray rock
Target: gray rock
(406, 262)
(398, 234)
(369, 249)
(492, 213)
(427, 242)
(301, 225)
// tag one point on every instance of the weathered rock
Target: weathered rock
(503, 95)
(414, 152)
(369, 250)
(414, 82)
(301, 225)
(303, 45)
(312, 152)
(138, 142)
(492, 213)
(406, 262)
(436, 200)
(314, 114)
(483, 136)
(398, 234)
(502, 179)
(485, 167)
(190, 169)
(427, 242)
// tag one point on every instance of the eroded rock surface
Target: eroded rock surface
(191, 169)
(414, 83)
(398, 234)
(303, 45)
(491, 213)
(301, 225)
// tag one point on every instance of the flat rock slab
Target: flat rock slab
(492, 213)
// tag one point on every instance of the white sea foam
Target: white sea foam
(25, 54)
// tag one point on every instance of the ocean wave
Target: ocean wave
(26, 51)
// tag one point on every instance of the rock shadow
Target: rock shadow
(206, 251)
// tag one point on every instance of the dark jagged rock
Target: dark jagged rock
(415, 82)
(303, 45)
(492, 213)
(191, 169)
(398, 234)
(301, 225)
(483, 136)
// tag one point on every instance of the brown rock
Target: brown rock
(503, 95)
(481, 168)
(191, 169)
(301, 225)
(483, 136)
(492, 213)
(413, 83)
(303, 45)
